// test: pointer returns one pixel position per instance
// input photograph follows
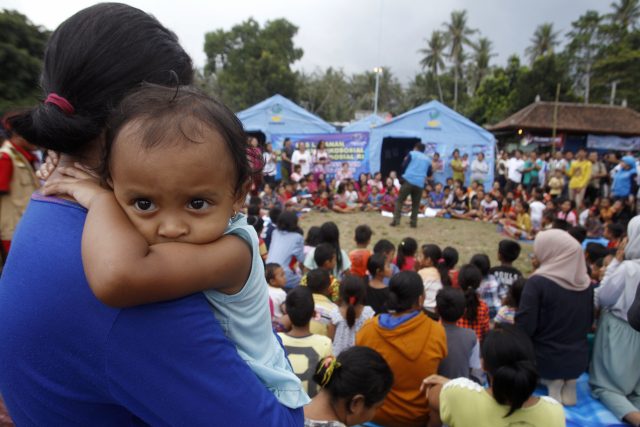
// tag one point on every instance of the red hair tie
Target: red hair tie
(61, 103)
(352, 300)
(440, 260)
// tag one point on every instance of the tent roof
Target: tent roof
(575, 118)
(280, 115)
(365, 124)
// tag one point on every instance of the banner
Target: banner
(347, 147)
(611, 142)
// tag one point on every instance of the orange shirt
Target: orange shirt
(359, 259)
(413, 350)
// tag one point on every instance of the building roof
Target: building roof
(573, 118)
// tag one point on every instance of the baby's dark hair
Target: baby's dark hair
(274, 214)
(357, 370)
(433, 252)
(407, 248)
(313, 236)
(483, 263)
(383, 246)
(515, 292)
(450, 256)
(469, 279)
(363, 234)
(164, 115)
(578, 232)
(508, 250)
(509, 359)
(93, 59)
(596, 251)
(270, 271)
(300, 306)
(376, 263)
(616, 230)
(450, 304)
(405, 289)
(318, 280)
(352, 293)
(323, 253)
(253, 210)
(256, 222)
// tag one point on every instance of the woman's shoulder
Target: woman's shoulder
(462, 384)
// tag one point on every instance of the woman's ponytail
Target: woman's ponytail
(513, 384)
(352, 293)
(469, 279)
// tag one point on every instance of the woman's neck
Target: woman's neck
(377, 283)
(321, 408)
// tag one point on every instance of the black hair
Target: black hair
(255, 200)
(578, 232)
(288, 221)
(450, 256)
(483, 263)
(407, 248)
(363, 234)
(450, 304)
(405, 289)
(510, 362)
(253, 210)
(561, 224)
(419, 146)
(331, 234)
(375, 263)
(352, 293)
(300, 306)
(509, 250)
(313, 236)
(469, 279)
(274, 214)
(596, 251)
(324, 252)
(525, 205)
(93, 59)
(359, 370)
(383, 246)
(165, 115)
(515, 292)
(270, 271)
(433, 252)
(616, 229)
(256, 222)
(318, 280)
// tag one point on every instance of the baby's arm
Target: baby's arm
(121, 267)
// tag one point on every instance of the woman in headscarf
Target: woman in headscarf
(615, 367)
(556, 311)
(624, 181)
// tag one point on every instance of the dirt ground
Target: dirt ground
(468, 237)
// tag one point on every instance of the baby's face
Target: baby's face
(175, 192)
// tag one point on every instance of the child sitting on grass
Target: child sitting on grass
(304, 348)
(360, 256)
(319, 281)
(505, 273)
(507, 312)
(476, 313)
(432, 271)
(348, 318)
(377, 292)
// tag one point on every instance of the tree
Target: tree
(326, 94)
(433, 59)
(543, 42)
(390, 94)
(481, 57)
(21, 50)
(582, 50)
(457, 33)
(542, 80)
(252, 63)
(626, 14)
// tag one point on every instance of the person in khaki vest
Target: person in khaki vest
(17, 182)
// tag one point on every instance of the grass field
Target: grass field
(468, 237)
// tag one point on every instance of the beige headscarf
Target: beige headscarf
(632, 251)
(561, 260)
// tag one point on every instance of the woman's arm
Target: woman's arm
(121, 267)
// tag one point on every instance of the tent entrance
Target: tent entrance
(394, 150)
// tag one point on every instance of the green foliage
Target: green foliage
(326, 94)
(21, 50)
(543, 42)
(253, 63)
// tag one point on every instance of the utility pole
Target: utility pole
(555, 121)
(614, 87)
(378, 71)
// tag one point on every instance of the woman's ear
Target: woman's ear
(356, 405)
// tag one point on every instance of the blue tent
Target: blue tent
(365, 124)
(440, 128)
(278, 115)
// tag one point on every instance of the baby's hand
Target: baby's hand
(78, 182)
(46, 169)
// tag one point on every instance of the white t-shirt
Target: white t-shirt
(489, 208)
(302, 159)
(278, 296)
(514, 169)
(269, 168)
(536, 209)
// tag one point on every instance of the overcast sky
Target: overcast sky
(355, 35)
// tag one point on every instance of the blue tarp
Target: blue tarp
(282, 116)
(442, 130)
(365, 124)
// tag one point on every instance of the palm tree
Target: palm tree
(457, 35)
(481, 57)
(434, 56)
(544, 41)
(626, 13)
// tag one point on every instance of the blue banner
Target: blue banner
(348, 147)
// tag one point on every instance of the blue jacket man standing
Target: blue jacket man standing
(416, 168)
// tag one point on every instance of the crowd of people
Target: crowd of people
(146, 283)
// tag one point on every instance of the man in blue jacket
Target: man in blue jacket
(416, 168)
